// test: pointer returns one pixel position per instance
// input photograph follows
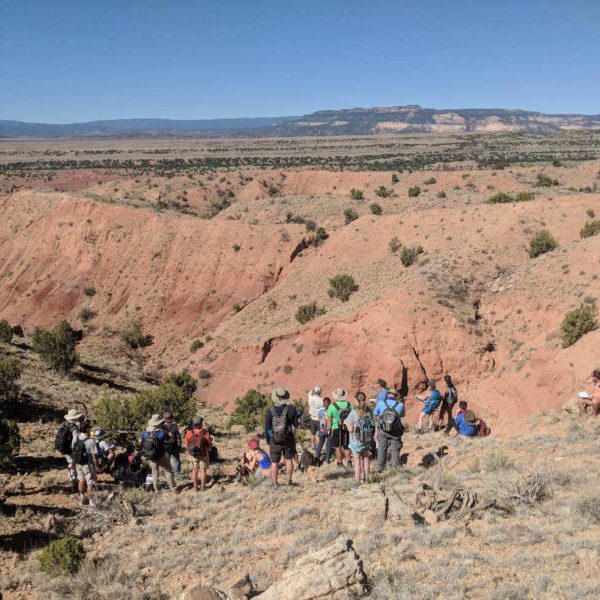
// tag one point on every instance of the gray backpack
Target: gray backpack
(280, 426)
(389, 421)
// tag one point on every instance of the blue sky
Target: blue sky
(75, 60)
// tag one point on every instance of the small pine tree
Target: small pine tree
(350, 215)
(342, 287)
(414, 191)
(589, 229)
(578, 322)
(383, 192)
(307, 312)
(57, 347)
(409, 254)
(376, 209)
(249, 410)
(62, 556)
(356, 194)
(541, 243)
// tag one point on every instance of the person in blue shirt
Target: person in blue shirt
(431, 402)
(381, 390)
(393, 437)
(466, 423)
(153, 449)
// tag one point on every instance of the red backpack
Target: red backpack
(482, 429)
(198, 444)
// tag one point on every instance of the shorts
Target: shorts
(340, 441)
(86, 473)
(357, 447)
(313, 426)
(200, 461)
(288, 449)
(429, 411)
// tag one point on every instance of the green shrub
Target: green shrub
(307, 312)
(57, 347)
(414, 191)
(541, 243)
(578, 322)
(6, 333)
(196, 345)
(589, 229)
(545, 181)
(430, 181)
(89, 290)
(135, 337)
(441, 194)
(395, 178)
(184, 381)
(500, 198)
(376, 209)
(383, 192)
(311, 225)
(86, 314)
(350, 215)
(62, 556)
(356, 194)
(590, 213)
(113, 413)
(10, 442)
(10, 372)
(409, 254)
(524, 197)
(394, 244)
(320, 236)
(342, 287)
(236, 247)
(249, 410)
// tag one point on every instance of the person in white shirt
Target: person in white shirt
(315, 403)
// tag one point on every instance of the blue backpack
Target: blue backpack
(365, 430)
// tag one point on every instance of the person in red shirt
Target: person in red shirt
(198, 442)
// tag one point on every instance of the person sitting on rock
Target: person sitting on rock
(106, 451)
(280, 421)
(466, 423)
(591, 401)
(431, 401)
(256, 461)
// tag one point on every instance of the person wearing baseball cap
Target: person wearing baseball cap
(315, 404)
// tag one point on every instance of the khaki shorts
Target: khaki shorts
(86, 473)
(201, 461)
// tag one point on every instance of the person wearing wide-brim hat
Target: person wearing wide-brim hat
(466, 423)
(73, 421)
(280, 421)
(153, 450)
(389, 428)
(337, 412)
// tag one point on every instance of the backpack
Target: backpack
(170, 445)
(198, 445)
(389, 421)
(365, 431)
(79, 453)
(64, 439)
(343, 413)
(452, 396)
(152, 447)
(280, 426)
(482, 429)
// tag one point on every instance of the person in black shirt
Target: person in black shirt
(280, 421)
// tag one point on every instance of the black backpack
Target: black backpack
(280, 426)
(152, 447)
(64, 439)
(389, 420)
(452, 396)
(79, 453)
(343, 413)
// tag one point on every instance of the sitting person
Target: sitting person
(431, 401)
(466, 423)
(255, 461)
(128, 468)
(106, 451)
(591, 401)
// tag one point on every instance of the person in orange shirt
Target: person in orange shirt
(198, 442)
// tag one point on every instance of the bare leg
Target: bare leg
(420, 423)
(366, 461)
(202, 477)
(195, 477)
(289, 469)
(357, 461)
(274, 472)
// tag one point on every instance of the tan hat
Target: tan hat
(470, 417)
(154, 422)
(73, 415)
(339, 394)
(280, 396)
(393, 391)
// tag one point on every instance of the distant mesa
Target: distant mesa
(392, 120)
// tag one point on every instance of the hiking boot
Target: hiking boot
(292, 484)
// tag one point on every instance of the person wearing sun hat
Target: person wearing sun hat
(337, 413)
(65, 438)
(153, 450)
(466, 423)
(280, 421)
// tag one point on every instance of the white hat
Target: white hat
(317, 389)
(73, 415)
(584, 395)
(154, 422)
(339, 394)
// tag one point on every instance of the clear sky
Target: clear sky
(74, 60)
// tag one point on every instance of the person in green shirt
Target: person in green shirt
(337, 413)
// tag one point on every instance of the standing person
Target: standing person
(381, 390)
(198, 442)
(315, 404)
(153, 450)
(449, 401)
(431, 400)
(172, 442)
(65, 438)
(591, 401)
(337, 413)
(362, 430)
(85, 453)
(324, 433)
(389, 428)
(280, 421)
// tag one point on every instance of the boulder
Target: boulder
(335, 571)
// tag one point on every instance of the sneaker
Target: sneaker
(292, 484)
(93, 504)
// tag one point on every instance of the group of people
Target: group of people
(159, 448)
(353, 429)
